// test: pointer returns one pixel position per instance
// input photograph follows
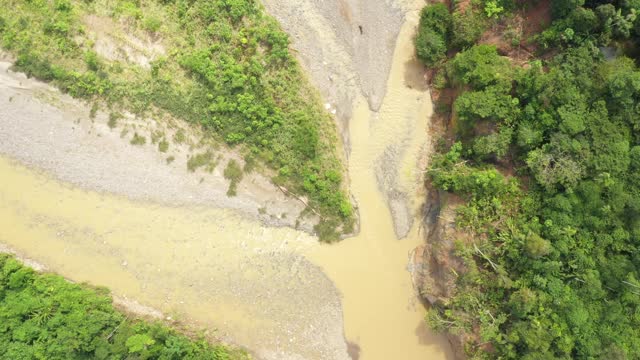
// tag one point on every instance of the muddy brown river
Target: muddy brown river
(276, 291)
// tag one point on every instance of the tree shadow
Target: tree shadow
(414, 72)
(353, 350)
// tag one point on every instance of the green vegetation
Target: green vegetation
(552, 267)
(205, 159)
(234, 174)
(225, 67)
(433, 35)
(163, 146)
(43, 316)
(138, 139)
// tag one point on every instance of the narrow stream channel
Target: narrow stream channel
(264, 288)
(382, 314)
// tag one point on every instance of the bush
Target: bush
(151, 24)
(433, 33)
(233, 173)
(481, 66)
(437, 18)
(467, 27)
(163, 146)
(113, 119)
(200, 160)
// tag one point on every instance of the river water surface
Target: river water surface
(261, 287)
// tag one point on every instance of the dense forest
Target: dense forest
(545, 154)
(226, 67)
(43, 316)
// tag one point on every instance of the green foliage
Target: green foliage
(163, 146)
(480, 67)
(467, 27)
(489, 104)
(553, 268)
(138, 139)
(151, 24)
(234, 174)
(47, 317)
(113, 119)
(431, 47)
(433, 33)
(492, 8)
(493, 145)
(205, 159)
(228, 70)
(562, 8)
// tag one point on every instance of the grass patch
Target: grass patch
(138, 140)
(44, 316)
(93, 111)
(179, 137)
(234, 174)
(113, 118)
(163, 146)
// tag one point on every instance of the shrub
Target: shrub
(436, 17)
(430, 47)
(200, 160)
(151, 24)
(138, 140)
(113, 119)
(233, 173)
(163, 146)
(467, 27)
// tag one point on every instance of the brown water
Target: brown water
(251, 282)
(382, 314)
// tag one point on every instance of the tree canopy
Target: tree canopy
(552, 268)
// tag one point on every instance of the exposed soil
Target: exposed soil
(114, 44)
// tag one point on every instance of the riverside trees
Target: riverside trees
(553, 266)
(47, 317)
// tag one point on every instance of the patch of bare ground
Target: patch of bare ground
(513, 35)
